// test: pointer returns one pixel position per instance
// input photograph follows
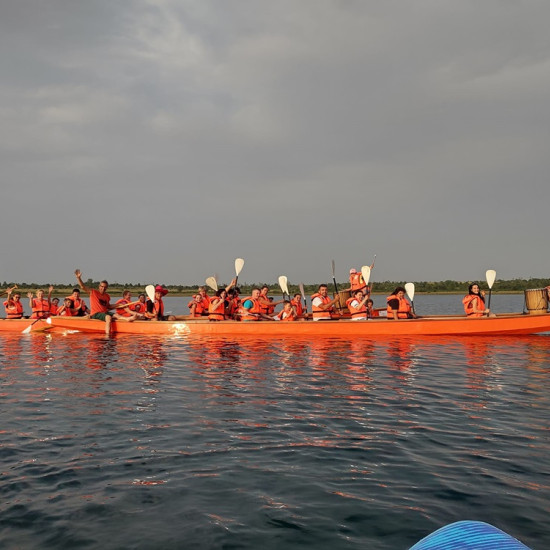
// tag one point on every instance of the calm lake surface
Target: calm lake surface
(194, 442)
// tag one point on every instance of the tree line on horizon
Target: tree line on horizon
(448, 286)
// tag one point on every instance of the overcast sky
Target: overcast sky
(157, 141)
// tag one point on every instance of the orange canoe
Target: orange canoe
(514, 323)
(19, 325)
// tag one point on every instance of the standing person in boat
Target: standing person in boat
(357, 306)
(39, 305)
(474, 302)
(198, 306)
(321, 304)
(398, 306)
(79, 305)
(13, 305)
(100, 303)
(155, 310)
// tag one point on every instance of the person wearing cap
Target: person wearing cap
(100, 303)
(155, 310)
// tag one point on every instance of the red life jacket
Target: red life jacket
(67, 312)
(319, 313)
(122, 311)
(468, 302)
(357, 282)
(402, 311)
(14, 310)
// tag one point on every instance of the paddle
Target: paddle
(335, 285)
(490, 275)
(150, 291)
(28, 329)
(212, 283)
(239, 263)
(120, 306)
(409, 288)
(365, 272)
(283, 283)
(302, 291)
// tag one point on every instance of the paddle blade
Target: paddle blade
(150, 291)
(302, 291)
(239, 264)
(283, 283)
(365, 271)
(409, 289)
(333, 269)
(28, 329)
(212, 283)
(490, 275)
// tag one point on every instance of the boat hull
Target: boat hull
(19, 325)
(508, 324)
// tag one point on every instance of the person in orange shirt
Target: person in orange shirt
(100, 303)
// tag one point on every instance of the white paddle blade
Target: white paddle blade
(409, 288)
(333, 268)
(212, 283)
(28, 329)
(365, 271)
(150, 291)
(283, 283)
(490, 275)
(239, 264)
(302, 291)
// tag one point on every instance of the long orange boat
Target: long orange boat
(502, 324)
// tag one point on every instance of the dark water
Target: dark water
(145, 442)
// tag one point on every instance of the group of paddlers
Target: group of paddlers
(353, 303)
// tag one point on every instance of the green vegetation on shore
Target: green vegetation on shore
(382, 287)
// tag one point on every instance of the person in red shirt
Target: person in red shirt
(100, 303)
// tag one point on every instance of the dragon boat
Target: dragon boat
(443, 325)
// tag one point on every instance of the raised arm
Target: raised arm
(79, 281)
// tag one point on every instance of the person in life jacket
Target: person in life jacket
(155, 310)
(234, 303)
(141, 307)
(296, 303)
(13, 305)
(356, 281)
(218, 305)
(198, 306)
(288, 313)
(357, 306)
(474, 302)
(398, 306)
(40, 306)
(251, 308)
(124, 301)
(321, 304)
(79, 305)
(67, 309)
(266, 302)
(371, 312)
(54, 306)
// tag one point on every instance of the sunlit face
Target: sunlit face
(323, 291)
(255, 293)
(475, 289)
(359, 296)
(39, 294)
(400, 294)
(264, 291)
(103, 288)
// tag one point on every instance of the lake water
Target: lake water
(188, 442)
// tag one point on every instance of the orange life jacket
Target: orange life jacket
(285, 316)
(67, 312)
(122, 311)
(253, 313)
(157, 309)
(40, 309)
(319, 313)
(402, 311)
(468, 302)
(357, 282)
(360, 312)
(216, 313)
(14, 310)
(79, 304)
(233, 308)
(201, 307)
(53, 309)
(298, 307)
